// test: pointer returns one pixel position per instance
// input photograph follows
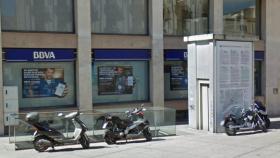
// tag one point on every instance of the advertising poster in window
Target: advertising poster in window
(115, 80)
(178, 78)
(43, 82)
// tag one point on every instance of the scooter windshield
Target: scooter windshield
(236, 110)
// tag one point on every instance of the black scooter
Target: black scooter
(45, 136)
(134, 125)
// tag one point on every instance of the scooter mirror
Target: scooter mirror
(60, 114)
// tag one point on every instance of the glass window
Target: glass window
(120, 81)
(175, 80)
(41, 84)
(185, 17)
(240, 17)
(37, 15)
(119, 16)
(258, 78)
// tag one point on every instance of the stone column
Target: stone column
(1, 86)
(216, 20)
(83, 61)
(271, 35)
(157, 59)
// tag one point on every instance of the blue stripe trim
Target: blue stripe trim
(121, 54)
(38, 55)
(176, 55)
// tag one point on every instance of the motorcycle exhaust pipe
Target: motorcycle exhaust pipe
(241, 127)
(237, 126)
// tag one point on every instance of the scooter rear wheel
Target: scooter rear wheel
(39, 144)
(108, 138)
(84, 141)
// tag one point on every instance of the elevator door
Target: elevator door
(204, 107)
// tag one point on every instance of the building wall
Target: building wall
(38, 40)
(1, 86)
(83, 40)
(272, 57)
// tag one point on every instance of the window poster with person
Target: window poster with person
(178, 78)
(43, 82)
(114, 80)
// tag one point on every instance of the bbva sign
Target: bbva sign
(43, 55)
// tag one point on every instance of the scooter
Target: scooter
(45, 136)
(134, 125)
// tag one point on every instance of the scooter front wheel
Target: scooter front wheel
(147, 134)
(84, 141)
(41, 144)
(267, 122)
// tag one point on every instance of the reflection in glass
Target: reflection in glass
(185, 17)
(37, 15)
(240, 17)
(119, 16)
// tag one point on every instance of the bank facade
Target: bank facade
(88, 45)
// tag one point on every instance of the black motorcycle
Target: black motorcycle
(241, 119)
(45, 136)
(132, 126)
(261, 110)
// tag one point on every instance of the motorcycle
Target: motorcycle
(261, 110)
(133, 125)
(45, 136)
(241, 119)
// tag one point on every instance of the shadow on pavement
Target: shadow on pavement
(75, 149)
(139, 141)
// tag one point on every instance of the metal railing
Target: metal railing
(162, 123)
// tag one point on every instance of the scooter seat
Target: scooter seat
(71, 115)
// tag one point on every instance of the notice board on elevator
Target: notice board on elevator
(234, 76)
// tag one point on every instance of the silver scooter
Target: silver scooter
(45, 136)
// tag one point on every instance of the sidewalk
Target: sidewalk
(188, 144)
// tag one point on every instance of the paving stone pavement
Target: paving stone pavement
(188, 143)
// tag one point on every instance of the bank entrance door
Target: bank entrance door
(203, 106)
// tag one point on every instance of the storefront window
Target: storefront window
(241, 17)
(120, 81)
(185, 17)
(37, 15)
(119, 16)
(41, 84)
(175, 80)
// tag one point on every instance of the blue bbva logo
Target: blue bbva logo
(43, 55)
